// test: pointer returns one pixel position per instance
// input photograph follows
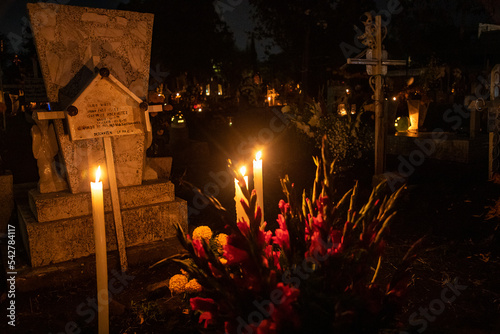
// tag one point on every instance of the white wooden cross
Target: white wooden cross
(377, 66)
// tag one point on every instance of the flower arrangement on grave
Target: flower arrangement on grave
(350, 136)
(318, 271)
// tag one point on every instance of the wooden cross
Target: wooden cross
(380, 66)
(115, 200)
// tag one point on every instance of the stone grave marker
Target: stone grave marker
(95, 66)
(72, 44)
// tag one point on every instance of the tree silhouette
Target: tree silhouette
(444, 29)
(309, 32)
(312, 32)
(188, 36)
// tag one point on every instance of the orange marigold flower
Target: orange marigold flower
(193, 286)
(221, 240)
(202, 232)
(177, 283)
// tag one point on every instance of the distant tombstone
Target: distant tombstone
(417, 111)
(34, 90)
(73, 43)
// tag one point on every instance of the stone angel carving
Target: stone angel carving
(45, 148)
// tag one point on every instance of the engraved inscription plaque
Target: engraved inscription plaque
(105, 108)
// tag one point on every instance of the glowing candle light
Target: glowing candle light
(100, 253)
(258, 181)
(238, 194)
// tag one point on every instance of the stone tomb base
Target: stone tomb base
(439, 146)
(58, 227)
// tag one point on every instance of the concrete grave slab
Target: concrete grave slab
(67, 239)
(64, 205)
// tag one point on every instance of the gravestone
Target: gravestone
(95, 66)
(72, 43)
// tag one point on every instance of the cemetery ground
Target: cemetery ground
(455, 285)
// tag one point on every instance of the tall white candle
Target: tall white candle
(238, 195)
(258, 181)
(100, 253)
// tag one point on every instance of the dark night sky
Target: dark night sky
(238, 16)
(13, 13)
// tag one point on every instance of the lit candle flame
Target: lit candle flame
(258, 155)
(243, 170)
(98, 174)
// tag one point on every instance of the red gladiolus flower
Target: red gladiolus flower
(320, 204)
(284, 207)
(266, 327)
(258, 213)
(244, 227)
(205, 305)
(202, 304)
(272, 255)
(268, 251)
(318, 223)
(206, 318)
(198, 248)
(282, 222)
(318, 245)
(282, 237)
(276, 257)
(263, 238)
(234, 255)
(336, 240)
(284, 310)
(268, 237)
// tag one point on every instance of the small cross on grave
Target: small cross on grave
(376, 65)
